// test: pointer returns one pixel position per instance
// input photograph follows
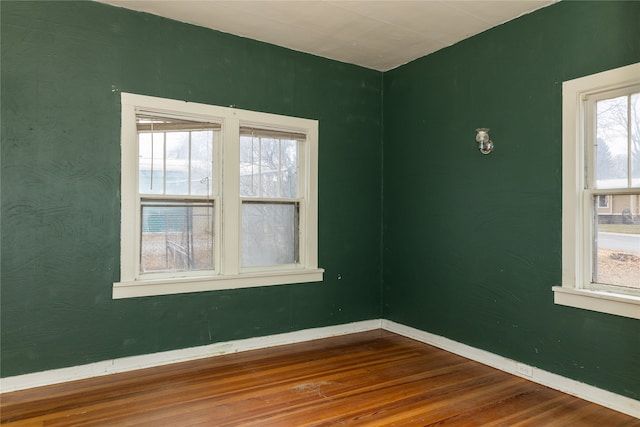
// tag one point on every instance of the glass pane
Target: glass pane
(249, 166)
(177, 163)
(635, 139)
(289, 168)
(617, 240)
(175, 156)
(151, 161)
(201, 163)
(269, 162)
(176, 236)
(269, 233)
(268, 167)
(612, 143)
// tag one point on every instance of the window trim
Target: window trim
(576, 247)
(227, 273)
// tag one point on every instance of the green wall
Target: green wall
(472, 243)
(64, 65)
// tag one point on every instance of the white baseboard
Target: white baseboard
(584, 391)
(107, 367)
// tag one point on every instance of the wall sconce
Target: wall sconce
(484, 143)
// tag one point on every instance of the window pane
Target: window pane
(612, 143)
(176, 236)
(269, 233)
(151, 162)
(269, 162)
(175, 156)
(249, 167)
(201, 163)
(268, 167)
(635, 139)
(177, 163)
(289, 168)
(617, 240)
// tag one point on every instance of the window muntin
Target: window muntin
(182, 185)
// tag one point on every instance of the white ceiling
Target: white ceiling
(377, 34)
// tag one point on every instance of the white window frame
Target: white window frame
(227, 273)
(576, 289)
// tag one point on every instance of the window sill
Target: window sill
(602, 301)
(143, 288)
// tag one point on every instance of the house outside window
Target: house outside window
(601, 193)
(215, 198)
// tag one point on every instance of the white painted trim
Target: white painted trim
(142, 288)
(230, 262)
(125, 364)
(584, 391)
(228, 273)
(602, 301)
(577, 227)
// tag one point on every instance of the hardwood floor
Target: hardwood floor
(373, 378)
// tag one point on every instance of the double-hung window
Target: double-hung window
(601, 193)
(270, 202)
(215, 198)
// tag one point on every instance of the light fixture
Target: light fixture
(484, 143)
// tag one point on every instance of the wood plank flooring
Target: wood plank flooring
(374, 378)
